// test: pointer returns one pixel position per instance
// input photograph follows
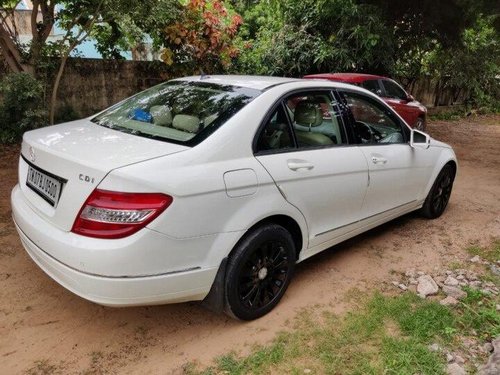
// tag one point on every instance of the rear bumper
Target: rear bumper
(121, 291)
(143, 269)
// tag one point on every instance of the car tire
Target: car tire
(439, 195)
(259, 271)
(420, 124)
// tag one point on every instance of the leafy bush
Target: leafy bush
(22, 106)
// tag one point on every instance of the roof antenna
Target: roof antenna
(203, 75)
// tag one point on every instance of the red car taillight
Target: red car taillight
(110, 214)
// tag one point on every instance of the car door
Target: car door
(397, 98)
(303, 146)
(397, 172)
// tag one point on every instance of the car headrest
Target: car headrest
(308, 113)
(209, 119)
(188, 123)
(162, 115)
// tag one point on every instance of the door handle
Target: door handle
(378, 160)
(295, 165)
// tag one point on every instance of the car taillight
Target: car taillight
(110, 214)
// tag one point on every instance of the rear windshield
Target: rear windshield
(177, 111)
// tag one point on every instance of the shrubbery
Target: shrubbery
(22, 106)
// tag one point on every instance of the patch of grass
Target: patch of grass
(410, 356)
(478, 313)
(448, 115)
(491, 253)
(43, 367)
(383, 335)
(456, 265)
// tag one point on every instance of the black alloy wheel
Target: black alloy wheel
(259, 272)
(439, 195)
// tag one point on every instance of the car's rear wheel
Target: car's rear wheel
(420, 124)
(439, 195)
(259, 271)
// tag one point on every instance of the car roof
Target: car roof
(345, 77)
(261, 83)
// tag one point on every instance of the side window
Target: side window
(373, 123)
(276, 133)
(316, 119)
(373, 86)
(392, 90)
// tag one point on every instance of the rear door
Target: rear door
(397, 172)
(303, 146)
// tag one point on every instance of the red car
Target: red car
(412, 111)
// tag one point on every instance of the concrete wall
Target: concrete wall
(90, 85)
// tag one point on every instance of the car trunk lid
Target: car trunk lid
(76, 156)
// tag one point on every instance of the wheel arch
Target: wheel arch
(286, 222)
(446, 158)
(214, 301)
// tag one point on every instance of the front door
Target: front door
(396, 170)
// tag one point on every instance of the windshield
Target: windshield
(183, 112)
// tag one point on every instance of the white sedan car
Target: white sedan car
(212, 188)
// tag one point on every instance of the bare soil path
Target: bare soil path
(46, 329)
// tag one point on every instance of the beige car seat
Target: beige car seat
(187, 123)
(162, 116)
(308, 114)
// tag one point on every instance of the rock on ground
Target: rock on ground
(455, 369)
(449, 301)
(493, 365)
(426, 286)
(454, 292)
(475, 259)
(434, 347)
(451, 281)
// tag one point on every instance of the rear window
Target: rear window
(177, 111)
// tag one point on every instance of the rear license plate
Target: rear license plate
(47, 186)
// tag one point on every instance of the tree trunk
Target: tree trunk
(437, 93)
(11, 53)
(40, 30)
(53, 98)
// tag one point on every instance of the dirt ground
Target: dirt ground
(46, 329)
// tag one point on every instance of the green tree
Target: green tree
(113, 24)
(294, 37)
(473, 65)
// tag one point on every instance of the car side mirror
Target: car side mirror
(419, 139)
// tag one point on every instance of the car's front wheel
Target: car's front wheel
(259, 271)
(439, 195)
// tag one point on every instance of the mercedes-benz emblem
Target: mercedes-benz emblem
(32, 154)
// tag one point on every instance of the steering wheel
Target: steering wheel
(367, 133)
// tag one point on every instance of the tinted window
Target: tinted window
(373, 86)
(373, 123)
(392, 90)
(316, 119)
(177, 111)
